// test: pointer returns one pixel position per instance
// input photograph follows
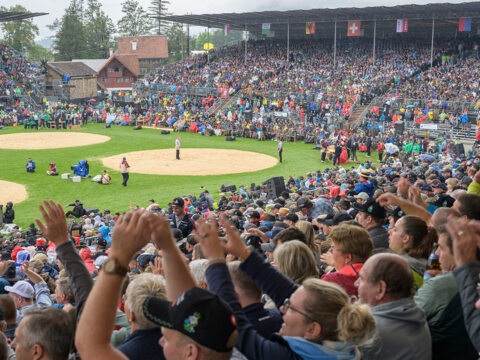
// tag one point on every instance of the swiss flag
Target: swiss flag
(354, 28)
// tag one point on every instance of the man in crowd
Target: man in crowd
(180, 219)
(372, 217)
(386, 285)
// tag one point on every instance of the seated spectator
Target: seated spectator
(295, 260)
(350, 247)
(440, 300)
(372, 217)
(386, 284)
(30, 166)
(10, 313)
(23, 293)
(265, 321)
(413, 239)
(53, 169)
(44, 333)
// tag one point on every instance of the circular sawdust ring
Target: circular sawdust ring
(49, 140)
(193, 161)
(13, 192)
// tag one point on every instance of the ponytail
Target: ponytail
(355, 323)
(423, 237)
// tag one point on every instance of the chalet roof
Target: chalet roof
(129, 61)
(72, 69)
(146, 46)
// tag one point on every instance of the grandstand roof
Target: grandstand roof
(17, 15)
(251, 20)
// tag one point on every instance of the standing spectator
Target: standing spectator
(124, 170)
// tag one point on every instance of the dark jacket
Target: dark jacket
(265, 321)
(379, 237)
(143, 344)
(9, 215)
(78, 210)
(467, 279)
(186, 225)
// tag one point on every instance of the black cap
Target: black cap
(178, 202)
(303, 203)
(444, 200)
(198, 314)
(144, 259)
(396, 212)
(254, 214)
(440, 186)
(371, 207)
(337, 219)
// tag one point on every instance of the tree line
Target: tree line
(85, 31)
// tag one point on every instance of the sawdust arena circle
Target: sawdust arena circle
(49, 140)
(13, 192)
(193, 161)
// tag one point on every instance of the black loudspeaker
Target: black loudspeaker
(108, 126)
(228, 187)
(90, 210)
(274, 187)
(230, 138)
(399, 127)
(165, 132)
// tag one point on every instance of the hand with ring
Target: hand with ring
(465, 239)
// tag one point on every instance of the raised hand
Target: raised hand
(206, 234)
(235, 245)
(465, 237)
(130, 234)
(161, 232)
(157, 266)
(55, 227)
(387, 199)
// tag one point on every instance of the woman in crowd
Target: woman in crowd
(351, 247)
(414, 240)
(319, 319)
(295, 260)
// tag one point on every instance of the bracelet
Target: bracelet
(216, 260)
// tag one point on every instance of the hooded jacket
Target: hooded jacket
(86, 254)
(402, 332)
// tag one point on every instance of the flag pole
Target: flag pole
(288, 42)
(374, 37)
(246, 44)
(335, 45)
(208, 46)
(433, 34)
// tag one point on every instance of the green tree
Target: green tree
(135, 20)
(38, 53)
(157, 10)
(177, 42)
(99, 29)
(70, 40)
(21, 34)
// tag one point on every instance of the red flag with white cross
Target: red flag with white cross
(354, 28)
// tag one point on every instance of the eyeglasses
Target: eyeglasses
(287, 305)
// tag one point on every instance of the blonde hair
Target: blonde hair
(341, 320)
(307, 228)
(145, 284)
(295, 260)
(352, 239)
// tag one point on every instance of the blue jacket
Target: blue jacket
(366, 187)
(143, 344)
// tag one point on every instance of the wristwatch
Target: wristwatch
(112, 267)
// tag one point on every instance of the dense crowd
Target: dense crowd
(375, 261)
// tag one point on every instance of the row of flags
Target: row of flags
(353, 29)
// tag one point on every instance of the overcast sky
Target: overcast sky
(56, 8)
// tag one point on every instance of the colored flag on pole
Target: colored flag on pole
(402, 25)
(227, 30)
(310, 30)
(265, 29)
(465, 24)
(354, 28)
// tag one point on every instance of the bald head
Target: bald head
(440, 217)
(392, 273)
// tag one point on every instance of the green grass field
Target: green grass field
(298, 159)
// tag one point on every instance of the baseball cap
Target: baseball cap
(397, 212)
(371, 207)
(99, 261)
(337, 219)
(254, 214)
(363, 195)
(283, 211)
(198, 314)
(426, 187)
(21, 288)
(303, 203)
(178, 202)
(440, 186)
(144, 259)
